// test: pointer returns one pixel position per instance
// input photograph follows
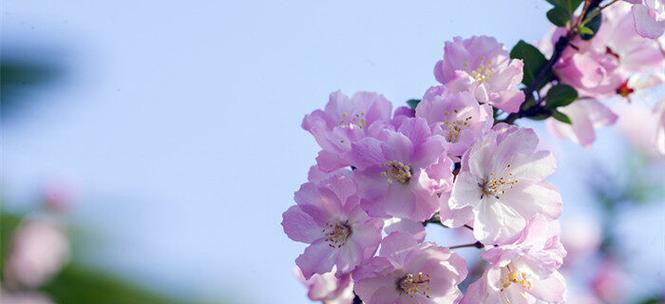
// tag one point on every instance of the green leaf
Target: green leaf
(539, 117)
(413, 103)
(585, 30)
(592, 25)
(533, 60)
(79, 284)
(568, 5)
(561, 117)
(560, 95)
(558, 16)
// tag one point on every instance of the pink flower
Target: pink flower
(401, 172)
(502, 180)
(516, 283)
(581, 237)
(406, 272)
(39, 250)
(484, 64)
(586, 115)
(328, 287)
(649, 16)
(343, 121)
(24, 298)
(607, 282)
(593, 72)
(456, 116)
(413, 228)
(401, 114)
(600, 66)
(328, 216)
(618, 37)
(538, 245)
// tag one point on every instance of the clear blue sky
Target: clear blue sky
(179, 125)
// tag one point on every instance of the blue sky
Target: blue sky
(179, 124)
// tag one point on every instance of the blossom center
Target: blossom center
(498, 185)
(455, 129)
(412, 285)
(337, 234)
(357, 119)
(513, 276)
(397, 171)
(482, 73)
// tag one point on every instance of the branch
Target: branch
(559, 47)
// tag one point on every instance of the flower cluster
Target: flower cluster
(455, 158)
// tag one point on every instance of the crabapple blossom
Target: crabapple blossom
(328, 216)
(39, 249)
(502, 180)
(415, 229)
(24, 298)
(649, 16)
(328, 287)
(606, 283)
(586, 116)
(601, 67)
(401, 172)
(538, 245)
(454, 158)
(343, 121)
(408, 272)
(456, 116)
(524, 271)
(484, 64)
(516, 283)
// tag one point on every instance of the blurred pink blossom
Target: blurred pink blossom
(39, 249)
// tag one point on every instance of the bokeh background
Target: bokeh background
(174, 130)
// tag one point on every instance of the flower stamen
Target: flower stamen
(337, 234)
(397, 171)
(412, 284)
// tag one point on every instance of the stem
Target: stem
(559, 47)
(436, 219)
(477, 244)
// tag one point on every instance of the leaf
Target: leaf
(561, 117)
(79, 284)
(558, 16)
(560, 95)
(533, 60)
(569, 6)
(585, 30)
(593, 25)
(413, 103)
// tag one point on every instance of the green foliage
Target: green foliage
(568, 5)
(8, 223)
(77, 284)
(558, 16)
(589, 28)
(18, 77)
(560, 95)
(561, 117)
(563, 11)
(533, 60)
(413, 103)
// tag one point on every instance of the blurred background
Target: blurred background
(160, 142)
